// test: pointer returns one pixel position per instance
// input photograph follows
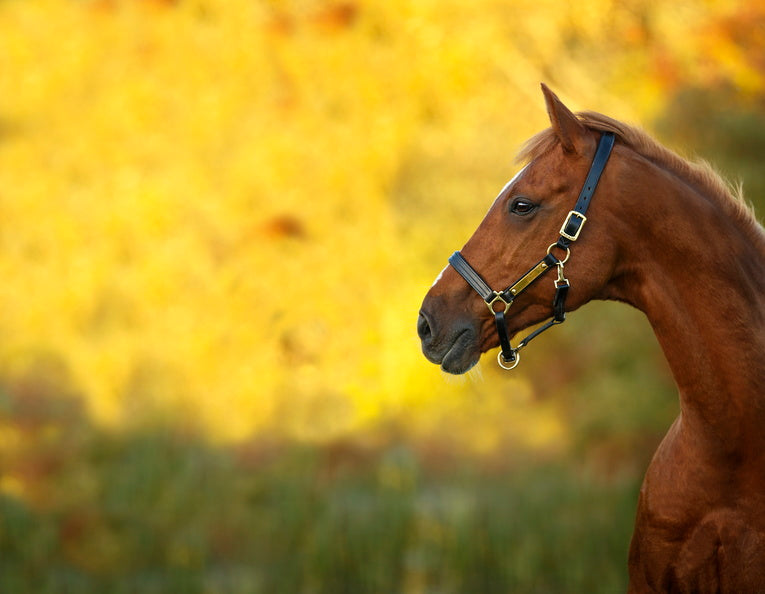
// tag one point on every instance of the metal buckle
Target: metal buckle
(582, 221)
(498, 297)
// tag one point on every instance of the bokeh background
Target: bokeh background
(219, 218)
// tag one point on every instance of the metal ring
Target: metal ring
(497, 297)
(503, 365)
(568, 252)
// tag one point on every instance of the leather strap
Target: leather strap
(471, 276)
(576, 218)
(508, 352)
(559, 316)
(559, 301)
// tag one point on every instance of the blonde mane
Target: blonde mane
(699, 174)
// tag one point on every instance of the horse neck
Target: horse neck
(697, 273)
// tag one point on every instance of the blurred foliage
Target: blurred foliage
(220, 219)
(152, 512)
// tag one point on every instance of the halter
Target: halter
(499, 302)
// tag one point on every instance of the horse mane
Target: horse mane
(700, 174)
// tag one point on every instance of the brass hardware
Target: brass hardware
(559, 262)
(513, 364)
(498, 297)
(561, 280)
(528, 278)
(575, 236)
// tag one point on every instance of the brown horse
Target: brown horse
(670, 238)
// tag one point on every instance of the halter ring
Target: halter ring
(513, 364)
(498, 297)
(568, 253)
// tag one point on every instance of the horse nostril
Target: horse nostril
(423, 328)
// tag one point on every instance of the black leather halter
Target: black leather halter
(500, 301)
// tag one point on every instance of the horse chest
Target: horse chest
(697, 525)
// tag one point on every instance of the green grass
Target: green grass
(149, 512)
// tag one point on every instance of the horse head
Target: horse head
(522, 225)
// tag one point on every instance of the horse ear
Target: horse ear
(567, 127)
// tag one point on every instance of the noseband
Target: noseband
(499, 302)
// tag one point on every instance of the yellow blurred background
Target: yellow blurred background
(219, 217)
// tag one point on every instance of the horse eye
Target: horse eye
(522, 206)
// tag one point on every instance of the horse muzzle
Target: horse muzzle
(453, 346)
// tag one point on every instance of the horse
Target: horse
(667, 236)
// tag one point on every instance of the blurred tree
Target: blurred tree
(724, 126)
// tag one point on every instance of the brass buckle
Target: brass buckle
(498, 297)
(575, 236)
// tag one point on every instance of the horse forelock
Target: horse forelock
(699, 174)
